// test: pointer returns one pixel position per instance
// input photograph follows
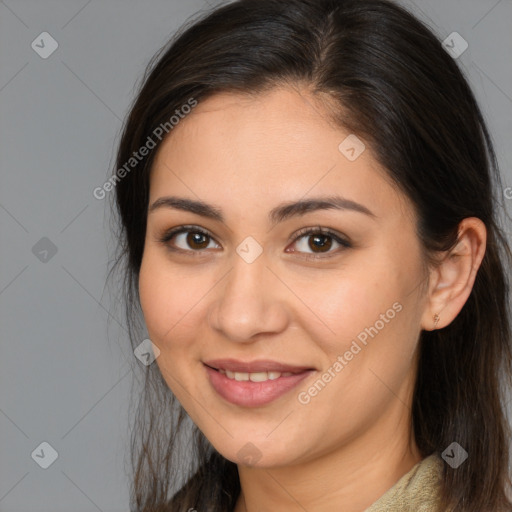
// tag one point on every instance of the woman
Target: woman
(306, 192)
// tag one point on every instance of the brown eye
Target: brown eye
(188, 239)
(196, 240)
(321, 242)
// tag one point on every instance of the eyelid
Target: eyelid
(318, 229)
(169, 233)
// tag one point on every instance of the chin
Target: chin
(256, 453)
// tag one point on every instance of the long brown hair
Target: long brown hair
(392, 84)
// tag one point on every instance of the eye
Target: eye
(318, 241)
(314, 243)
(189, 239)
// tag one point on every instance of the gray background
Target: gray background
(65, 371)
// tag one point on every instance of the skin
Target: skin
(246, 155)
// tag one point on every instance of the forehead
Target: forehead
(280, 142)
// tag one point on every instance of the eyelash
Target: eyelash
(345, 244)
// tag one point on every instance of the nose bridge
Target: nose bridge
(247, 304)
(245, 278)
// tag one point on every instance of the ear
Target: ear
(452, 280)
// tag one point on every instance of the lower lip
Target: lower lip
(253, 394)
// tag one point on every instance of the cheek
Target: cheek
(167, 296)
(170, 303)
(367, 313)
(370, 353)
(342, 303)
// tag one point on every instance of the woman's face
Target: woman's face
(343, 309)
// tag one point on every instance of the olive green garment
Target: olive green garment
(416, 491)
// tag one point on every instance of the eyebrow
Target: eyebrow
(278, 214)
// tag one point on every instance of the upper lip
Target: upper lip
(261, 365)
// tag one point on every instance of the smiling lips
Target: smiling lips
(253, 384)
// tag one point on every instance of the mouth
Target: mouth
(261, 366)
(254, 384)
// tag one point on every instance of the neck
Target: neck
(350, 477)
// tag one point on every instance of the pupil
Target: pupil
(322, 242)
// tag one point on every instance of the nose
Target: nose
(251, 302)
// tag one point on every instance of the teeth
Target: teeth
(258, 377)
(254, 377)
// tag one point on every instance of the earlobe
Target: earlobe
(453, 278)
